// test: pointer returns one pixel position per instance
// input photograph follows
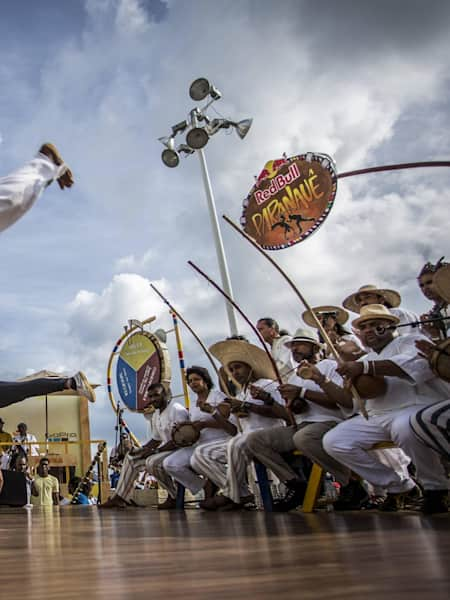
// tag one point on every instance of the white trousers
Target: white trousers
(350, 443)
(20, 189)
(133, 465)
(178, 466)
(225, 464)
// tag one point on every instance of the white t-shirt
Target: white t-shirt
(254, 421)
(29, 437)
(209, 434)
(283, 356)
(163, 422)
(421, 387)
(316, 413)
(405, 316)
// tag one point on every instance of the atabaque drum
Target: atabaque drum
(185, 434)
(440, 360)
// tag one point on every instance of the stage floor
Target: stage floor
(74, 552)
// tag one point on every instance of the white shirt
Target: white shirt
(283, 356)
(29, 437)
(163, 422)
(254, 421)
(215, 397)
(421, 387)
(316, 413)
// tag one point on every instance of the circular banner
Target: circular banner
(290, 200)
(143, 360)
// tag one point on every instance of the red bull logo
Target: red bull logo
(271, 168)
(278, 183)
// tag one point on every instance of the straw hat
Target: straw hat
(392, 297)
(375, 311)
(337, 312)
(230, 351)
(304, 335)
(441, 281)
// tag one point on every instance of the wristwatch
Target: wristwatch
(246, 406)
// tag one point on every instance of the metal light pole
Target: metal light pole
(196, 139)
(221, 259)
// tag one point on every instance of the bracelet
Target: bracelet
(365, 364)
(374, 369)
(302, 393)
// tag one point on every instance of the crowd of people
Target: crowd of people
(369, 403)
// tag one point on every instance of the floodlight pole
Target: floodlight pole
(220, 252)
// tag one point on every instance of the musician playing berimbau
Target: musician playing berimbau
(151, 456)
(410, 385)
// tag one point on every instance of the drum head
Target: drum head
(185, 434)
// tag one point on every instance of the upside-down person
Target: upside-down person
(16, 391)
(260, 406)
(20, 189)
(314, 416)
(151, 456)
(410, 385)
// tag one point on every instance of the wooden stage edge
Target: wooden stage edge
(72, 552)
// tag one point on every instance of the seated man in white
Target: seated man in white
(410, 385)
(151, 456)
(260, 406)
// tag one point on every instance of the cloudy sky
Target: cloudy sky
(366, 82)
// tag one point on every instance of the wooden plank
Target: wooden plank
(76, 552)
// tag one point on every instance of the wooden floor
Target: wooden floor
(81, 552)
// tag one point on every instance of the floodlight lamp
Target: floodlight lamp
(199, 89)
(170, 158)
(242, 127)
(179, 127)
(197, 138)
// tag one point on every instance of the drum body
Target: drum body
(440, 360)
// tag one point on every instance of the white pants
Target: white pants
(178, 466)
(225, 464)
(350, 443)
(20, 189)
(133, 465)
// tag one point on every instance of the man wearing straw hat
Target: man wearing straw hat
(371, 294)
(260, 405)
(315, 415)
(333, 319)
(410, 385)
